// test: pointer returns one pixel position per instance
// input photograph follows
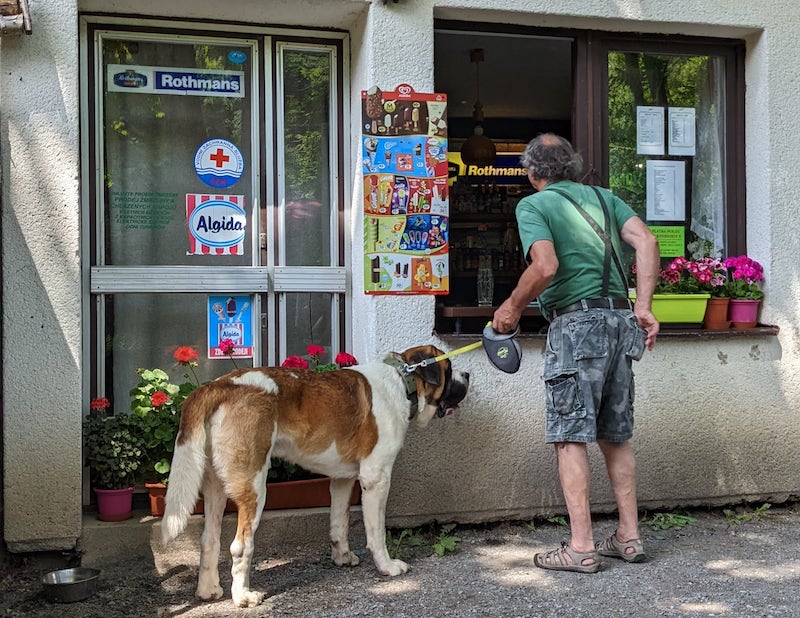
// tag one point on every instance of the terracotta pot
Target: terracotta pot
(304, 494)
(716, 317)
(743, 313)
(114, 504)
(284, 495)
(157, 493)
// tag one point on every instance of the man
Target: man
(571, 241)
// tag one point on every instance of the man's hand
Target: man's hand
(506, 317)
(649, 323)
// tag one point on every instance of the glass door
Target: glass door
(216, 207)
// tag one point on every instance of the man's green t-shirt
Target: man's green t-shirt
(546, 215)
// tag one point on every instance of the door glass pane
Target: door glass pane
(177, 139)
(694, 83)
(144, 330)
(307, 126)
(308, 321)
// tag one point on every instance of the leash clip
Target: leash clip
(408, 369)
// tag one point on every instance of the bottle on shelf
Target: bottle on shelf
(485, 282)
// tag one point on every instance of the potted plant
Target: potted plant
(744, 279)
(679, 297)
(113, 450)
(713, 278)
(155, 405)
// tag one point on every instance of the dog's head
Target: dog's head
(439, 388)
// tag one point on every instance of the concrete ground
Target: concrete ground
(741, 563)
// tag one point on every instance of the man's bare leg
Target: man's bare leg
(621, 467)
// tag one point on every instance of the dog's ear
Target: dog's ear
(432, 373)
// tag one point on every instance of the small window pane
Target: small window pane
(306, 142)
(150, 143)
(144, 330)
(308, 321)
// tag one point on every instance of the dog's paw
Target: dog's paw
(393, 567)
(209, 593)
(248, 598)
(345, 559)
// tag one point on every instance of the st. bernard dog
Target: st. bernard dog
(348, 424)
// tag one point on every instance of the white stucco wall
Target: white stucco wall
(41, 281)
(716, 418)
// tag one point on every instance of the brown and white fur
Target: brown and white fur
(348, 424)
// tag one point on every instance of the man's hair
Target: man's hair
(551, 157)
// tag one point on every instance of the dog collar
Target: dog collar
(410, 381)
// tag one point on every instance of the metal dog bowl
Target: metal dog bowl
(70, 585)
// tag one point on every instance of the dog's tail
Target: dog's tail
(188, 464)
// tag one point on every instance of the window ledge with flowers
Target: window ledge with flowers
(153, 426)
(714, 292)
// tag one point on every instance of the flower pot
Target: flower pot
(680, 309)
(114, 504)
(304, 494)
(716, 317)
(743, 313)
(157, 493)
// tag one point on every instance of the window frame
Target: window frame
(733, 52)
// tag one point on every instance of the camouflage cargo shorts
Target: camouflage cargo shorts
(582, 347)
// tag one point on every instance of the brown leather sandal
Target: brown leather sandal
(629, 551)
(567, 559)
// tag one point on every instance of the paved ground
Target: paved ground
(743, 564)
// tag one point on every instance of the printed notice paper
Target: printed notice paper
(666, 191)
(681, 131)
(649, 130)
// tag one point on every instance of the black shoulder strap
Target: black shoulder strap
(604, 234)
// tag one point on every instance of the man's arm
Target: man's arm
(532, 282)
(638, 236)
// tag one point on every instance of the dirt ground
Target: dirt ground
(743, 563)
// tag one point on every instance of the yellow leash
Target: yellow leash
(458, 351)
(501, 349)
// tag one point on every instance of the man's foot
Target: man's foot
(567, 559)
(629, 551)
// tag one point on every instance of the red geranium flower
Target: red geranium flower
(226, 346)
(295, 361)
(315, 350)
(343, 359)
(185, 355)
(158, 399)
(100, 403)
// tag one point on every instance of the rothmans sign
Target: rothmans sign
(505, 169)
(165, 80)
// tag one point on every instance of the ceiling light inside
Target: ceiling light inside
(478, 149)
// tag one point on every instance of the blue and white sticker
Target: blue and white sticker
(237, 56)
(218, 163)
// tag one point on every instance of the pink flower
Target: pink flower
(100, 403)
(343, 359)
(158, 399)
(226, 346)
(295, 361)
(745, 268)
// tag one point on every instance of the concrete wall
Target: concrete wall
(716, 419)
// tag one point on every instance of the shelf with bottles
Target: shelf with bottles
(478, 201)
(498, 248)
